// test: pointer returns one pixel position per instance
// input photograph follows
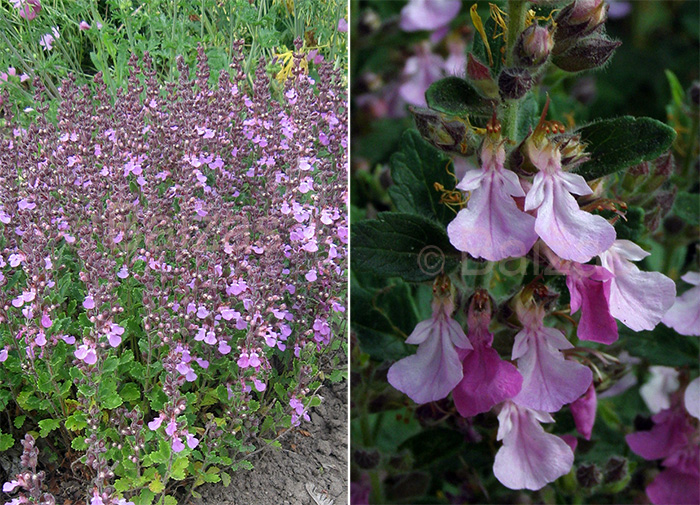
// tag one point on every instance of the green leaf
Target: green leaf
(76, 421)
(47, 426)
(677, 92)
(495, 44)
(616, 144)
(415, 169)
(130, 392)
(225, 479)
(78, 443)
(662, 346)
(632, 226)
(110, 364)
(455, 96)
(378, 335)
(19, 421)
(402, 245)
(687, 207)
(6, 441)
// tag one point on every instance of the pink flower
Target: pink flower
(420, 15)
(83, 26)
(549, 380)
(48, 39)
(114, 335)
(342, 25)
(178, 446)
(671, 439)
(488, 380)
(28, 9)
(584, 410)
(656, 392)
(155, 424)
(46, 321)
(86, 353)
(637, 299)
(684, 315)
(192, 441)
(691, 398)
(588, 292)
(89, 302)
(492, 226)
(419, 73)
(530, 458)
(435, 369)
(570, 232)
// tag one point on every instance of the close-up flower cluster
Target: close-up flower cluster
(173, 273)
(543, 247)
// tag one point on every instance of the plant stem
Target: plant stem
(516, 23)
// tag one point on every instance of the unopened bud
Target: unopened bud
(514, 82)
(480, 76)
(576, 21)
(591, 52)
(533, 46)
(443, 132)
(615, 469)
(588, 475)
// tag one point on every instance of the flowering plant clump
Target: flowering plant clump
(172, 282)
(535, 238)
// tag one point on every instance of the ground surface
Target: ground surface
(281, 476)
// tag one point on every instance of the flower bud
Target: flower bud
(591, 52)
(480, 76)
(514, 82)
(443, 132)
(615, 469)
(588, 475)
(576, 21)
(533, 46)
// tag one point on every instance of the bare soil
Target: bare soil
(315, 453)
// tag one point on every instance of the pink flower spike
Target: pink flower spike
(570, 232)
(492, 226)
(637, 299)
(684, 315)
(488, 380)
(584, 410)
(420, 15)
(549, 380)
(530, 458)
(435, 369)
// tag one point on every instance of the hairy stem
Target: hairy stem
(516, 23)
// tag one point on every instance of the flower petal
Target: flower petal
(429, 374)
(673, 486)
(487, 381)
(684, 315)
(584, 410)
(637, 299)
(492, 226)
(571, 233)
(549, 380)
(530, 458)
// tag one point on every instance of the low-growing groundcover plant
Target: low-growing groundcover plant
(173, 276)
(517, 279)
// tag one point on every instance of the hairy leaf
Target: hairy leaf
(616, 144)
